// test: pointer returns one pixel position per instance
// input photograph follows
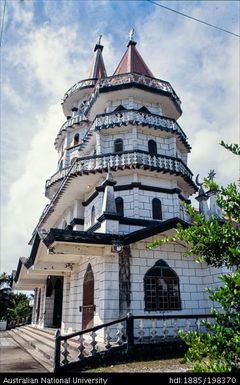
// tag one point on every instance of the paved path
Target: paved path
(14, 359)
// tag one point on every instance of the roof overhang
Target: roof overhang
(59, 250)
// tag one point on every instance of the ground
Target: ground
(156, 366)
(13, 359)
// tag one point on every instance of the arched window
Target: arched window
(152, 147)
(156, 208)
(161, 288)
(93, 216)
(118, 145)
(76, 139)
(119, 206)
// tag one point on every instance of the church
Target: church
(122, 176)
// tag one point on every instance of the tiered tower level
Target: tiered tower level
(126, 123)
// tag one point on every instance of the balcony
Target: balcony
(116, 81)
(126, 160)
(80, 85)
(139, 118)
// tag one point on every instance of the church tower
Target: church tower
(121, 178)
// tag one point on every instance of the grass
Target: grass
(153, 366)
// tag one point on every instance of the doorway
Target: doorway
(88, 306)
(58, 299)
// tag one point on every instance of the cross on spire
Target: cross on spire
(130, 34)
(99, 39)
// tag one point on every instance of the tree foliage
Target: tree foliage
(12, 306)
(216, 242)
(234, 148)
(6, 295)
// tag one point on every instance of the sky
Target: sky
(47, 46)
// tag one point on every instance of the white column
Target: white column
(109, 287)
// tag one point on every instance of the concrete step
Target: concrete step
(45, 333)
(26, 344)
(48, 336)
(39, 346)
(43, 338)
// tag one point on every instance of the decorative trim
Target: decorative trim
(110, 216)
(77, 221)
(141, 87)
(125, 279)
(60, 235)
(90, 198)
(138, 222)
(94, 227)
(153, 230)
(133, 185)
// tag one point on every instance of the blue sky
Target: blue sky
(48, 46)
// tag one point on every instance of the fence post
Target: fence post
(130, 333)
(57, 353)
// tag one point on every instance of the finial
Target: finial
(98, 44)
(197, 181)
(130, 34)
(201, 190)
(211, 174)
(99, 39)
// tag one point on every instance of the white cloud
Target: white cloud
(203, 67)
(43, 59)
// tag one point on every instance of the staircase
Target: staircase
(40, 343)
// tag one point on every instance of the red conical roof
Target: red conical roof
(132, 61)
(98, 69)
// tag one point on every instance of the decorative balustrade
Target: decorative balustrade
(133, 117)
(59, 175)
(137, 118)
(125, 334)
(127, 159)
(121, 79)
(70, 122)
(81, 84)
(140, 79)
(87, 343)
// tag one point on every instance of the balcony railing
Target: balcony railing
(133, 117)
(127, 159)
(81, 84)
(100, 343)
(117, 80)
(138, 118)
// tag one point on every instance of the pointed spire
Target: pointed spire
(109, 204)
(98, 70)
(132, 61)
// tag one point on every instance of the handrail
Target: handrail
(95, 328)
(127, 339)
(180, 316)
(158, 121)
(81, 84)
(115, 80)
(130, 152)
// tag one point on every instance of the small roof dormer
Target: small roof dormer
(98, 70)
(132, 61)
